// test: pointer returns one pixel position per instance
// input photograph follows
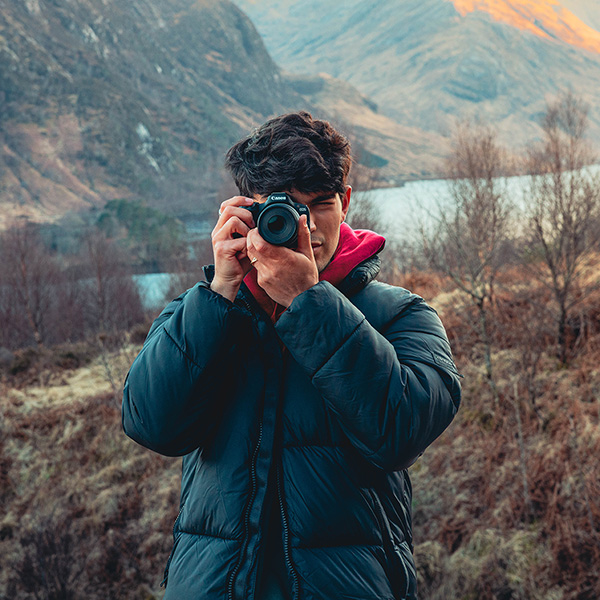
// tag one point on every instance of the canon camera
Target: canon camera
(277, 219)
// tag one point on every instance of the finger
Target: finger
(257, 246)
(234, 225)
(304, 246)
(235, 211)
(253, 240)
(235, 201)
(228, 248)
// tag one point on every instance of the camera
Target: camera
(277, 219)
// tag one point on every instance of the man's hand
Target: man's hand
(230, 253)
(284, 273)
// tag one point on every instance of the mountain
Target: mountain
(102, 100)
(390, 152)
(428, 63)
(141, 98)
(545, 18)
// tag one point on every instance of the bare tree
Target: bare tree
(564, 208)
(29, 277)
(113, 302)
(469, 237)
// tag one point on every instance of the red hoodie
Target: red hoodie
(354, 247)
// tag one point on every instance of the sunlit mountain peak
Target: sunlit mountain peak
(545, 18)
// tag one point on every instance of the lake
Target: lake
(402, 210)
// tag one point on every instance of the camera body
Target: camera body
(277, 219)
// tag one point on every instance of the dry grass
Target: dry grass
(506, 502)
(78, 495)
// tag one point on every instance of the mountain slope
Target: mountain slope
(426, 64)
(141, 98)
(545, 18)
(124, 98)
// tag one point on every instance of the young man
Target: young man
(298, 391)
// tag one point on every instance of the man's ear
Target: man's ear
(346, 202)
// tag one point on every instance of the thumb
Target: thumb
(304, 245)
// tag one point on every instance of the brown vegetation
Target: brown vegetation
(86, 513)
(48, 298)
(506, 503)
(564, 216)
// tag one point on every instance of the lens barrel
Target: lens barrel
(278, 224)
(277, 219)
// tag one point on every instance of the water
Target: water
(417, 205)
(403, 212)
(153, 288)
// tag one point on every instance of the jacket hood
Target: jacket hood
(355, 246)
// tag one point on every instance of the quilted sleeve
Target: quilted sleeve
(392, 390)
(171, 393)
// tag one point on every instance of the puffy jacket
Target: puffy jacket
(340, 397)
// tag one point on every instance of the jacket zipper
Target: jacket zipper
(389, 544)
(234, 573)
(245, 304)
(286, 539)
(175, 541)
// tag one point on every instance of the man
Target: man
(298, 391)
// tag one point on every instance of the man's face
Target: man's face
(327, 212)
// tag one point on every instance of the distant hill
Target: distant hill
(141, 98)
(548, 19)
(101, 100)
(429, 62)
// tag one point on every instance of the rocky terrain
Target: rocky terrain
(140, 99)
(121, 98)
(428, 63)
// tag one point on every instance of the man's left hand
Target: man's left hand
(282, 272)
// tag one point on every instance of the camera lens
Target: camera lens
(276, 223)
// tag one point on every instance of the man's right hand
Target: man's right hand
(231, 259)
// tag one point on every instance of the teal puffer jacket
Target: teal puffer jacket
(339, 397)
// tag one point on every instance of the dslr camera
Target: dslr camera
(277, 219)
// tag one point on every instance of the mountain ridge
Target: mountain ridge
(141, 99)
(97, 102)
(425, 64)
(549, 19)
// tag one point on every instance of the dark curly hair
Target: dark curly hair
(292, 151)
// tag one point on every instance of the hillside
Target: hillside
(547, 19)
(429, 62)
(123, 98)
(140, 99)
(506, 502)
